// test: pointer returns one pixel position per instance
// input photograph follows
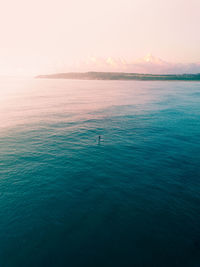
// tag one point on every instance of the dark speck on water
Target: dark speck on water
(132, 201)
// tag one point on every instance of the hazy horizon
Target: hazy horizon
(57, 36)
(146, 65)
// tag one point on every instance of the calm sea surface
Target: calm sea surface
(132, 200)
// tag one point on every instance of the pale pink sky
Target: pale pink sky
(48, 35)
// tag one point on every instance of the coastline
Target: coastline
(114, 76)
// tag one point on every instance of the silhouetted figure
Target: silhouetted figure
(99, 139)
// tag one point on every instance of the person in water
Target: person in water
(99, 139)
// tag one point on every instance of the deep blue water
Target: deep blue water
(132, 200)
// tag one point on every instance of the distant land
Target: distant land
(121, 76)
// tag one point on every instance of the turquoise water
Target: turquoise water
(132, 200)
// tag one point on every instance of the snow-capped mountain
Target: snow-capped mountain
(148, 64)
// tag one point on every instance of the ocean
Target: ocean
(132, 199)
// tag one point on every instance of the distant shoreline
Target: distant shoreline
(121, 76)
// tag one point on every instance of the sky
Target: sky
(41, 36)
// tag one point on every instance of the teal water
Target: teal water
(132, 200)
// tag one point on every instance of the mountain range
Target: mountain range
(149, 64)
